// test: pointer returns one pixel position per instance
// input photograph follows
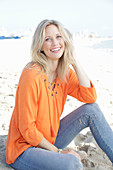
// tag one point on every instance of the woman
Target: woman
(37, 136)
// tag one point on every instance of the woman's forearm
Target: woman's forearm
(47, 145)
(82, 76)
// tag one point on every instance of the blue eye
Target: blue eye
(59, 36)
(47, 39)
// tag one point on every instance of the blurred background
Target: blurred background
(21, 17)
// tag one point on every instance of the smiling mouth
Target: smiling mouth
(56, 49)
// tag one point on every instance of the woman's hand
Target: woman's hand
(71, 152)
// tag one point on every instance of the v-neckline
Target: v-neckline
(49, 85)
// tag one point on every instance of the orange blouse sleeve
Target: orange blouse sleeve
(28, 108)
(83, 94)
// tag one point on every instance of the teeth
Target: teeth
(56, 49)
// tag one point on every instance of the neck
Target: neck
(53, 64)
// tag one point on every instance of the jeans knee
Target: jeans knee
(94, 110)
(74, 163)
(92, 105)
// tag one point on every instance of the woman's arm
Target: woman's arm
(80, 86)
(82, 76)
(45, 144)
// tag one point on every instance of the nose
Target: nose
(54, 41)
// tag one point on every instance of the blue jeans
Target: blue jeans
(88, 115)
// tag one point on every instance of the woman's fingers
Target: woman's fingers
(71, 152)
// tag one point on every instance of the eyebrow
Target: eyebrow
(50, 36)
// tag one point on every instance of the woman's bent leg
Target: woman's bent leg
(88, 115)
(39, 159)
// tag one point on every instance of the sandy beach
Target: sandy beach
(96, 56)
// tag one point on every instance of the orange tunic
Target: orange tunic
(38, 109)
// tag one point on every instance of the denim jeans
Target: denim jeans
(88, 115)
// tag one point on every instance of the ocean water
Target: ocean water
(108, 44)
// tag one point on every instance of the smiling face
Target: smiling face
(53, 45)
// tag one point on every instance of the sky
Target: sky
(75, 15)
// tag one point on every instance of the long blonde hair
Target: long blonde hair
(39, 58)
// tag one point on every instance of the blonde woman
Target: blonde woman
(37, 136)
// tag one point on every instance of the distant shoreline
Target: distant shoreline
(9, 37)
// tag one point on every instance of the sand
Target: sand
(96, 56)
